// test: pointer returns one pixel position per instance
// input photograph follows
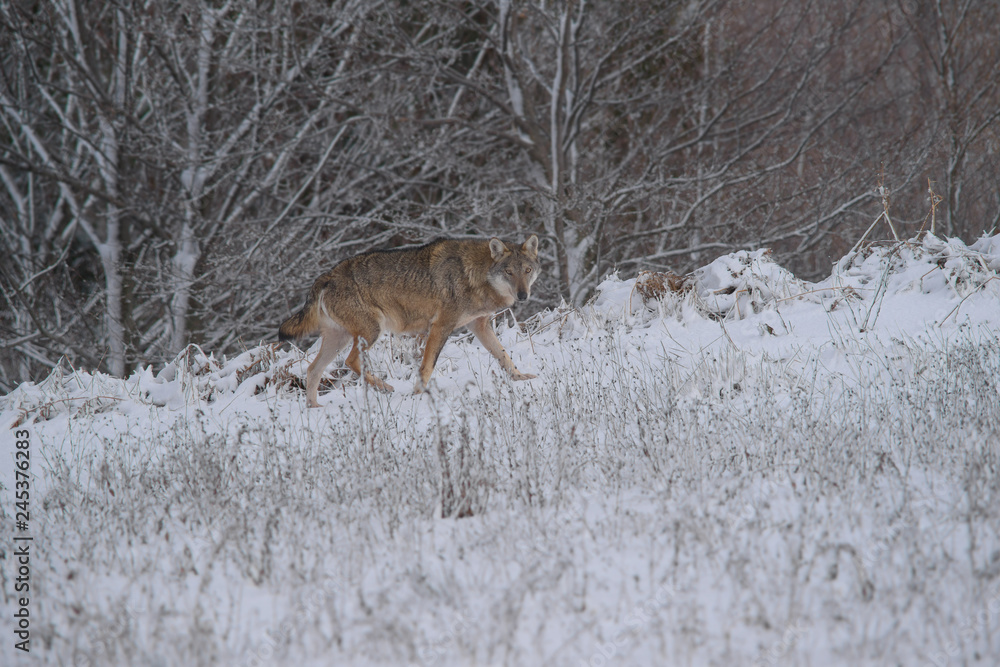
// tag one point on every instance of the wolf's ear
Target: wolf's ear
(530, 246)
(497, 248)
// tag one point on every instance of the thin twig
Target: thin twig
(953, 310)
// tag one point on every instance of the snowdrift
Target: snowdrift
(925, 284)
(733, 466)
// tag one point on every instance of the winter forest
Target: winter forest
(175, 173)
(757, 420)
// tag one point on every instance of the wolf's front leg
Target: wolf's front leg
(353, 362)
(484, 332)
(436, 338)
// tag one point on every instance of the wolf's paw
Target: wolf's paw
(518, 375)
(378, 383)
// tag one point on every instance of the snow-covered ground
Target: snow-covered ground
(734, 468)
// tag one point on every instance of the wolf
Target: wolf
(428, 291)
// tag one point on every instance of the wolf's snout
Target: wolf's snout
(521, 296)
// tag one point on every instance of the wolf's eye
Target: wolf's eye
(510, 272)
(527, 269)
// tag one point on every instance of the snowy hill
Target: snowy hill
(731, 467)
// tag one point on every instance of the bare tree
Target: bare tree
(644, 133)
(963, 81)
(149, 139)
(175, 174)
(85, 156)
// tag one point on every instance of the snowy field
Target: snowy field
(737, 468)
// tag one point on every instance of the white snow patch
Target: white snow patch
(746, 468)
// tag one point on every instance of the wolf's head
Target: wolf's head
(515, 267)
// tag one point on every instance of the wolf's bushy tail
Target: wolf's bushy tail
(304, 322)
